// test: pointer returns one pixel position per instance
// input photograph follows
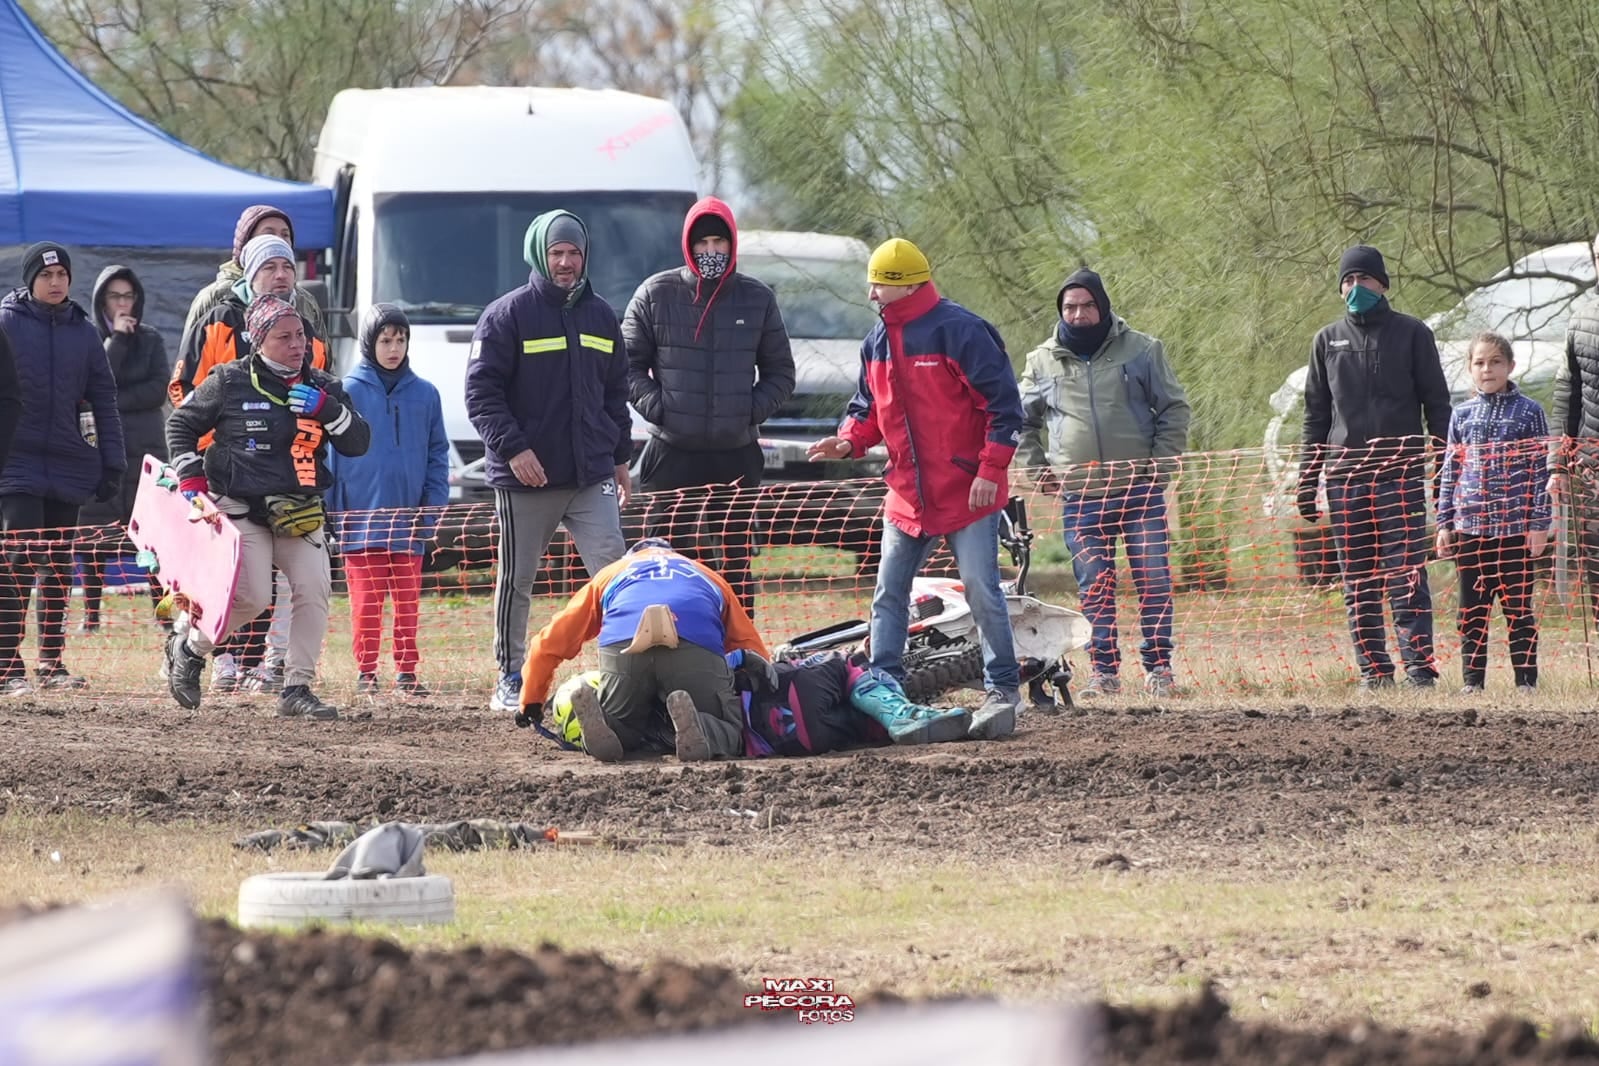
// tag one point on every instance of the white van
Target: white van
(435, 188)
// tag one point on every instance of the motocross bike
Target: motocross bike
(944, 650)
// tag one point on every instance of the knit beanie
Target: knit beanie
(1367, 260)
(709, 225)
(264, 313)
(566, 228)
(249, 220)
(259, 250)
(41, 255)
(898, 262)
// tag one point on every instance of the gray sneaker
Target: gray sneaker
(599, 739)
(507, 698)
(299, 701)
(996, 717)
(183, 671)
(1160, 684)
(15, 686)
(1099, 686)
(691, 743)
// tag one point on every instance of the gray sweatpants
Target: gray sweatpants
(527, 523)
(633, 691)
(303, 562)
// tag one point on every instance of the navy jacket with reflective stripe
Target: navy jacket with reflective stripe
(552, 378)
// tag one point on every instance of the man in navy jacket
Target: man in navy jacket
(546, 388)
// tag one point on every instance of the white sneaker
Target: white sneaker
(225, 673)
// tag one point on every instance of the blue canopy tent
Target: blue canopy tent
(79, 168)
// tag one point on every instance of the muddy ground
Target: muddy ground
(1121, 785)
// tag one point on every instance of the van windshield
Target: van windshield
(821, 299)
(443, 257)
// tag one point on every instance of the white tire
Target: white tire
(300, 899)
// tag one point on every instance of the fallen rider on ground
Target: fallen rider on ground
(671, 635)
(824, 702)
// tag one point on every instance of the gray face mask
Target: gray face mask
(280, 370)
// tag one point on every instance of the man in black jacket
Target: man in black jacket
(1574, 415)
(708, 362)
(546, 389)
(1373, 375)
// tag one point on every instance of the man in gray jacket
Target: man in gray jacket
(708, 362)
(1118, 423)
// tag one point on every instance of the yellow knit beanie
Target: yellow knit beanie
(898, 262)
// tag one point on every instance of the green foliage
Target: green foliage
(1210, 158)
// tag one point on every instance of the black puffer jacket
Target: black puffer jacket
(708, 362)
(1575, 412)
(1372, 379)
(139, 362)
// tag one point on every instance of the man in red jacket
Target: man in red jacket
(937, 388)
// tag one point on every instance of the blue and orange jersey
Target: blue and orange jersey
(704, 606)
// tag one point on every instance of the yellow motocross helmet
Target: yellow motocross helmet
(563, 722)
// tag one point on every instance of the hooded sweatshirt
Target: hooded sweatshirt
(547, 372)
(708, 361)
(139, 362)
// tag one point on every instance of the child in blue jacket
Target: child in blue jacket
(1493, 510)
(380, 496)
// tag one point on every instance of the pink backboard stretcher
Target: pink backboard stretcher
(196, 548)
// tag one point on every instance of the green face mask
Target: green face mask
(1361, 299)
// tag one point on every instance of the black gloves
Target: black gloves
(530, 715)
(754, 674)
(110, 484)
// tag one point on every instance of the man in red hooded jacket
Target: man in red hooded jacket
(937, 388)
(708, 362)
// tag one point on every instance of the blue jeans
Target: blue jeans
(1093, 524)
(1380, 530)
(976, 549)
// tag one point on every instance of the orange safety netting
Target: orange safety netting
(1257, 592)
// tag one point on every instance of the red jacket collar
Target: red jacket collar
(911, 307)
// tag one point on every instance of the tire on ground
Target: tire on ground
(925, 683)
(280, 899)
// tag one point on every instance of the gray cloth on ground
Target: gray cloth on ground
(392, 849)
(473, 835)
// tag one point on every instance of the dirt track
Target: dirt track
(1127, 784)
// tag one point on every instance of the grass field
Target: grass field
(1399, 928)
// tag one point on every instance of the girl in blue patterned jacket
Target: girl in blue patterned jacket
(1493, 510)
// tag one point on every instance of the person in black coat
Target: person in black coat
(67, 449)
(138, 358)
(708, 361)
